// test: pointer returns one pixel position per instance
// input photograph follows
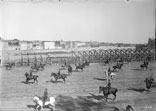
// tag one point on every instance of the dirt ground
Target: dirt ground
(80, 92)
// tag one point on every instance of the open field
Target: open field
(81, 90)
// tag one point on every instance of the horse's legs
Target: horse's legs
(52, 106)
(106, 97)
(36, 80)
(55, 78)
(114, 96)
(37, 107)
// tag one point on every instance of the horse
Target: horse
(106, 61)
(34, 68)
(63, 67)
(79, 67)
(59, 76)
(28, 77)
(41, 66)
(9, 65)
(39, 103)
(87, 63)
(117, 66)
(144, 65)
(107, 91)
(69, 70)
(148, 83)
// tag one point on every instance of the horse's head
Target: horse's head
(26, 74)
(36, 98)
(146, 80)
(38, 101)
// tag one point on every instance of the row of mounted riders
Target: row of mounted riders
(30, 76)
(120, 63)
(35, 67)
(41, 66)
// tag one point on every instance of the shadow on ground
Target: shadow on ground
(81, 103)
(27, 82)
(99, 79)
(138, 89)
(55, 82)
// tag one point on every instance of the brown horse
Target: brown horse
(107, 91)
(59, 76)
(79, 67)
(144, 65)
(117, 66)
(28, 77)
(150, 83)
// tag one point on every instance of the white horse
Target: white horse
(39, 103)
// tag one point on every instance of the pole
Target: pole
(28, 59)
(21, 59)
(155, 35)
(155, 32)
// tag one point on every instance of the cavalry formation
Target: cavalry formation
(79, 67)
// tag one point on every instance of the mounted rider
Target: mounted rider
(30, 74)
(108, 84)
(151, 79)
(69, 69)
(109, 72)
(59, 72)
(45, 95)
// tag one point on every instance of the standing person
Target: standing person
(45, 95)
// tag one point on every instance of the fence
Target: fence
(94, 55)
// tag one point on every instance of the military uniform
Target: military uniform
(45, 95)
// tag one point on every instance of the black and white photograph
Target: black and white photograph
(77, 55)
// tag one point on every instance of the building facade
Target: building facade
(49, 45)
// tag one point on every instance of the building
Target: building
(37, 45)
(71, 44)
(58, 44)
(81, 44)
(11, 45)
(49, 45)
(24, 45)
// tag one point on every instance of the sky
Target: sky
(115, 21)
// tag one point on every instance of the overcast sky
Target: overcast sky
(109, 21)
